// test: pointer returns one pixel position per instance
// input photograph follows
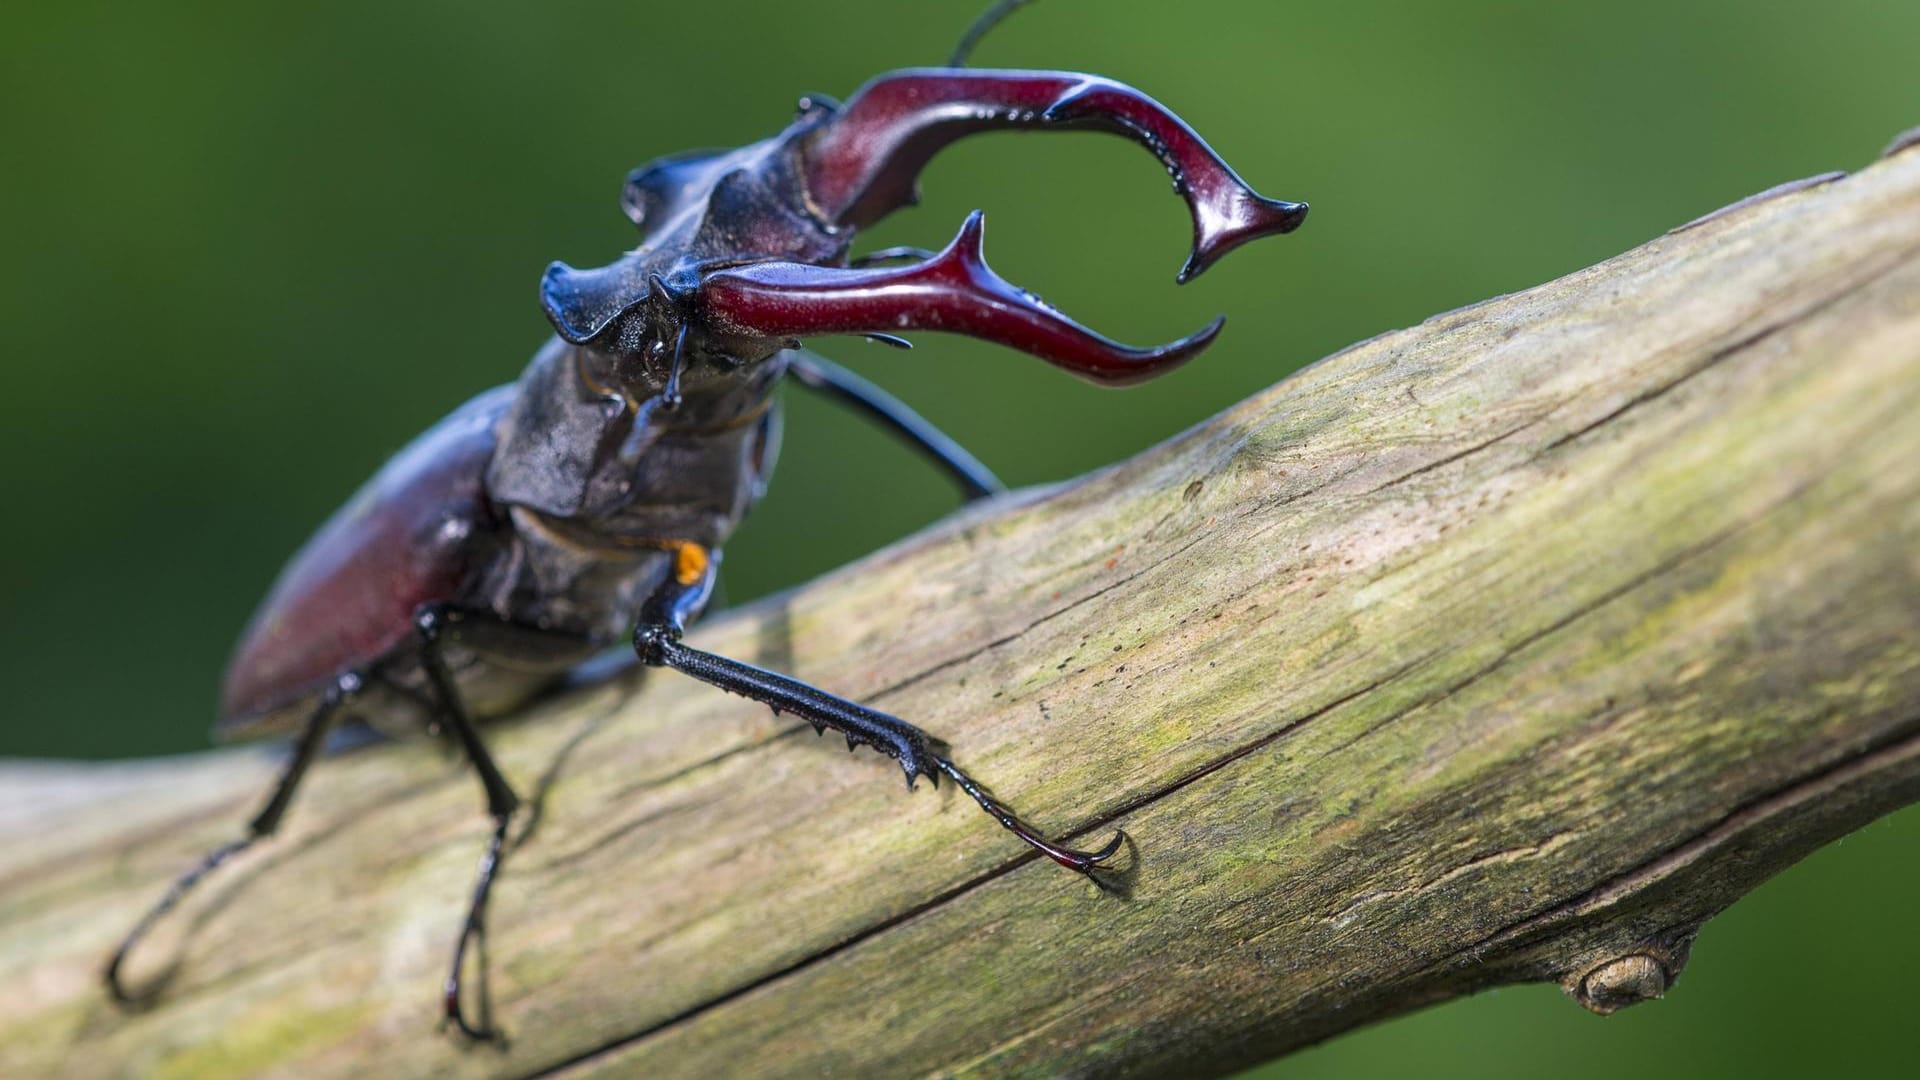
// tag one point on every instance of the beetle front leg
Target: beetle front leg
(657, 641)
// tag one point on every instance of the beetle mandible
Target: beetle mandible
(542, 521)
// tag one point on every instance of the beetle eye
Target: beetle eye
(815, 105)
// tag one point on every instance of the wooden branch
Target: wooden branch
(1508, 647)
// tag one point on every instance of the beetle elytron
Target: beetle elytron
(543, 520)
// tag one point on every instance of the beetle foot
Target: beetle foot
(474, 932)
(1084, 862)
(116, 985)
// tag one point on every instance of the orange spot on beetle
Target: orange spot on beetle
(689, 564)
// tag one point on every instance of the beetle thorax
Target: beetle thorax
(575, 448)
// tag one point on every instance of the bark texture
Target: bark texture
(1511, 646)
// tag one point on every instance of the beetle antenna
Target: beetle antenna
(983, 25)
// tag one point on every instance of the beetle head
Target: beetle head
(743, 252)
(639, 315)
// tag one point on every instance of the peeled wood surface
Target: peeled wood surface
(1511, 646)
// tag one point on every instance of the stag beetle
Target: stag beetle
(544, 520)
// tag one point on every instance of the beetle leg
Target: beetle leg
(431, 623)
(818, 373)
(508, 642)
(863, 162)
(305, 749)
(657, 641)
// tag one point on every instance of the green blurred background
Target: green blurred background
(252, 248)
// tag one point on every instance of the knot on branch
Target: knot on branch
(1620, 982)
(1628, 976)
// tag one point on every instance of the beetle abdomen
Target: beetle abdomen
(413, 535)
